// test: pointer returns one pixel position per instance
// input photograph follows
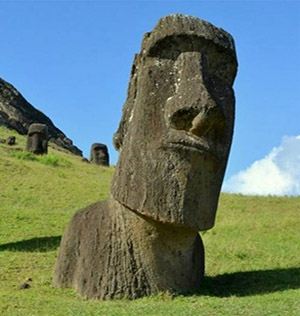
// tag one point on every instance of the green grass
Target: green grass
(252, 254)
(50, 159)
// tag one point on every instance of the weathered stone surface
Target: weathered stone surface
(109, 252)
(11, 140)
(185, 82)
(174, 139)
(16, 113)
(37, 139)
(99, 154)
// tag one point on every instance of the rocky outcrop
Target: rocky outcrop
(16, 113)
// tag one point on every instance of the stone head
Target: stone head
(175, 134)
(99, 154)
(37, 139)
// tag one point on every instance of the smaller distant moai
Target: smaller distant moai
(99, 154)
(11, 140)
(37, 139)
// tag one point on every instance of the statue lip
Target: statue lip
(194, 146)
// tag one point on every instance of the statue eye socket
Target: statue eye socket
(224, 68)
(171, 47)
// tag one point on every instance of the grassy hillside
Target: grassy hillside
(252, 254)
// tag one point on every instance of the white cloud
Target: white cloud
(276, 174)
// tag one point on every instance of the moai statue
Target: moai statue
(99, 154)
(37, 139)
(174, 140)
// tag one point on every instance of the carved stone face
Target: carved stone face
(37, 140)
(177, 125)
(99, 154)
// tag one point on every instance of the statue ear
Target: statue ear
(117, 140)
(128, 106)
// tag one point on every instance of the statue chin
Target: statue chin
(184, 197)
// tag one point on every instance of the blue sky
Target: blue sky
(72, 59)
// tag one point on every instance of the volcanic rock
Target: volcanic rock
(11, 140)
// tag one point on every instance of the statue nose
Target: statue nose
(207, 120)
(197, 121)
(192, 107)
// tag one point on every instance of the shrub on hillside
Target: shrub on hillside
(23, 155)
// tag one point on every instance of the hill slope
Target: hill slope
(17, 114)
(252, 254)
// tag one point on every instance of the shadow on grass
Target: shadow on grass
(229, 284)
(38, 244)
(250, 283)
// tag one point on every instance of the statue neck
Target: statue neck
(170, 257)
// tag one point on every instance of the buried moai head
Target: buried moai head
(37, 139)
(175, 134)
(99, 154)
